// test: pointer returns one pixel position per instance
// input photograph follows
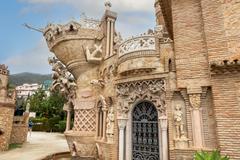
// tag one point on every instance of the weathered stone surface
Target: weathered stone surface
(190, 59)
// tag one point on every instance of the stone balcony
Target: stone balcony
(72, 42)
(138, 55)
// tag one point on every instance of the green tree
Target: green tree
(47, 107)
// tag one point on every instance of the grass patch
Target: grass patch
(14, 146)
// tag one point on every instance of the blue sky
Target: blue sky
(24, 50)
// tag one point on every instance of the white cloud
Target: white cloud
(118, 5)
(134, 17)
(33, 60)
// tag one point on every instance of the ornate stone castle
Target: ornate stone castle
(161, 95)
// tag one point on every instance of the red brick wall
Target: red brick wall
(189, 44)
(227, 110)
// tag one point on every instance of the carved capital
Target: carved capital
(195, 100)
(163, 122)
(122, 122)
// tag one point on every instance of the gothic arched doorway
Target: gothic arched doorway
(145, 140)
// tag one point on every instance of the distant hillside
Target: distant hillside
(21, 78)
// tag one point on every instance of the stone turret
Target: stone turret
(82, 46)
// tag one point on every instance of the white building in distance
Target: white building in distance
(26, 90)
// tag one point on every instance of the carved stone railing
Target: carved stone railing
(145, 42)
(90, 24)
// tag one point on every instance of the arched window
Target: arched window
(170, 65)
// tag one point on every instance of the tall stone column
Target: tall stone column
(111, 37)
(195, 100)
(121, 125)
(68, 109)
(108, 38)
(68, 123)
(104, 123)
(164, 125)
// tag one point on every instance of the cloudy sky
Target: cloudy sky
(24, 50)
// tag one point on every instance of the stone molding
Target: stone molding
(225, 66)
(137, 54)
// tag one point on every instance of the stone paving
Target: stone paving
(38, 146)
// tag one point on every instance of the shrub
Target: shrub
(215, 155)
(40, 124)
(61, 126)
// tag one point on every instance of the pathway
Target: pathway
(38, 146)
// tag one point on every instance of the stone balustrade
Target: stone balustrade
(145, 42)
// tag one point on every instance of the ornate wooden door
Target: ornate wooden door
(145, 143)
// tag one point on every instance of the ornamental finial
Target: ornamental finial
(108, 5)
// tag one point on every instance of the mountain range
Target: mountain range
(21, 78)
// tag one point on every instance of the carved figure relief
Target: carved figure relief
(178, 119)
(110, 124)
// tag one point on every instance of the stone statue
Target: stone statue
(28, 106)
(178, 119)
(110, 123)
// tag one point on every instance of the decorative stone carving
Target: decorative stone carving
(103, 101)
(178, 119)
(162, 34)
(4, 69)
(63, 81)
(96, 55)
(158, 31)
(122, 91)
(117, 38)
(150, 90)
(195, 100)
(98, 82)
(141, 43)
(110, 125)
(85, 120)
(90, 23)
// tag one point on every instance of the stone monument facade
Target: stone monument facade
(160, 95)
